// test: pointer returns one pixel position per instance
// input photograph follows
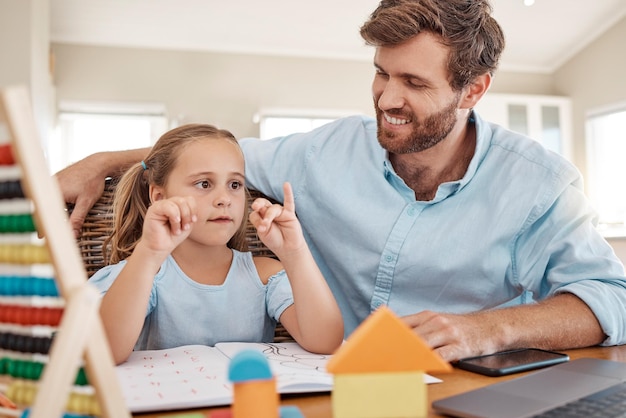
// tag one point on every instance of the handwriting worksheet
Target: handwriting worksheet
(197, 376)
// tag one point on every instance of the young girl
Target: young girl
(181, 274)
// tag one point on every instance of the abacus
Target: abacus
(55, 360)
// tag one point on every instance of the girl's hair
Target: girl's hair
(466, 26)
(132, 193)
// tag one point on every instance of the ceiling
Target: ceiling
(539, 38)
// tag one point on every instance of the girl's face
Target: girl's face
(212, 171)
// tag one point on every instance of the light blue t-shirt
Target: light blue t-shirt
(515, 229)
(182, 311)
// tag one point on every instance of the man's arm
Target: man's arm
(82, 183)
(560, 322)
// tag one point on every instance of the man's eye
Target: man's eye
(382, 74)
(416, 84)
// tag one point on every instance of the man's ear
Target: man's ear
(475, 91)
(156, 193)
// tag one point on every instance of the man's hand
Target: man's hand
(560, 322)
(454, 336)
(81, 186)
(82, 183)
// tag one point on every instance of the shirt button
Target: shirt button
(377, 304)
(411, 211)
(389, 258)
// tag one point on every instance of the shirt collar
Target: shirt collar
(483, 141)
(483, 135)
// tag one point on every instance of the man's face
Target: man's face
(415, 106)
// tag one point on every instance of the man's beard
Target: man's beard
(425, 134)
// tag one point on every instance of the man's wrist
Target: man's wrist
(101, 163)
(115, 163)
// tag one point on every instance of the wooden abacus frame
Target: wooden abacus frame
(80, 338)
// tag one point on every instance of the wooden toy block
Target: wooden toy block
(379, 370)
(380, 395)
(254, 387)
(221, 413)
(290, 412)
(285, 412)
(254, 390)
(255, 399)
(383, 343)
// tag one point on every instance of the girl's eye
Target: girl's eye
(236, 185)
(203, 184)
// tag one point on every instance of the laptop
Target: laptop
(539, 392)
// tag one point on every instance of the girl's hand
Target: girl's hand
(168, 223)
(277, 226)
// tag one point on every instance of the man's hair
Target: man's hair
(474, 37)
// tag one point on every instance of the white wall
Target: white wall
(223, 89)
(228, 89)
(595, 78)
(619, 245)
(24, 47)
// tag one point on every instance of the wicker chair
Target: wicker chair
(98, 226)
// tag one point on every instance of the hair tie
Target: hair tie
(143, 164)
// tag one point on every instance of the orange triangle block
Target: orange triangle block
(382, 344)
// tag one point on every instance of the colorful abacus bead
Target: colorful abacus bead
(17, 223)
(11, 189)
(31, 370)
(28, 286)
(25, 343)
(24, 254)
(28, 315)
(6, 155)
(23, 392)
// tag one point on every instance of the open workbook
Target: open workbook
(196, 376)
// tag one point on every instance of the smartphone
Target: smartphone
(509, 362)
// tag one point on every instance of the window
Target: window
(273, 126)
(281, 122)
(546, 119)
(606, 172)
(85, 128)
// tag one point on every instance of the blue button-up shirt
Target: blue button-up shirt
(515, 229)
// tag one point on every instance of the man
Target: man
(479, 237)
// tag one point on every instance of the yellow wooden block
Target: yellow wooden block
(380, 395)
